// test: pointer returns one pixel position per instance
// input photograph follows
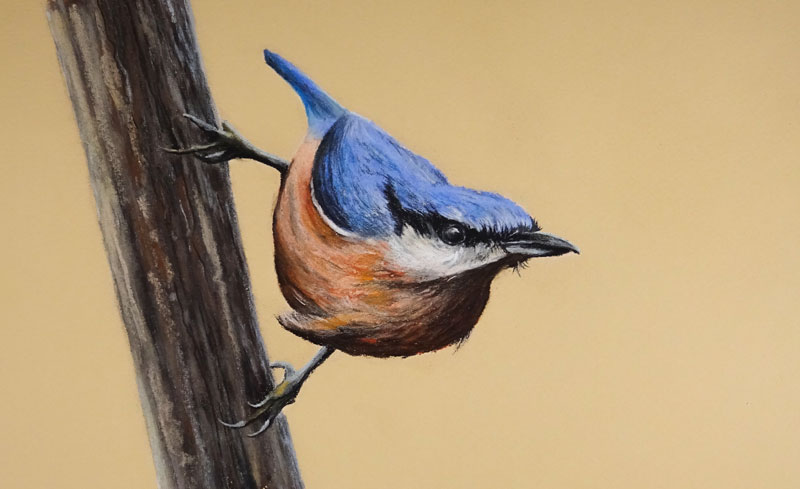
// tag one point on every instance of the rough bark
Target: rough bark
(171, 235)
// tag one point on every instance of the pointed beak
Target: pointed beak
(539, 244)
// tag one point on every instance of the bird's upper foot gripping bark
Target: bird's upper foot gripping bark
(227, 143)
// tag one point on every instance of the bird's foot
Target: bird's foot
(271, 406)
(226, 144)
(283, 394)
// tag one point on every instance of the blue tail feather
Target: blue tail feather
(322, 110)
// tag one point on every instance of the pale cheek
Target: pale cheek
(430, 258)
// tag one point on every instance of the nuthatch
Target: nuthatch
(376, 252)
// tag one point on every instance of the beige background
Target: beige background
(663, 138)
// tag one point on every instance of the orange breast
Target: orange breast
(319, 270)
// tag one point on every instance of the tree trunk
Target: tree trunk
(169, 226)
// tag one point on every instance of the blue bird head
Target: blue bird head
(368, 186)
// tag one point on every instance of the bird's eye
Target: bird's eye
(453, 234)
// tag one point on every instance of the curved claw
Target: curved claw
(286, 367)
(262, 429)
(201, 123)
(238, 424)
(192, 149)
(268, 409)
(217, 156)
(271, 412)
(256, 405)
(249, 420)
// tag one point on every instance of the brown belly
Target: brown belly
(344, 295)
(414, 319)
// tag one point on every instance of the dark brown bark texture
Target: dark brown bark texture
(169, 226)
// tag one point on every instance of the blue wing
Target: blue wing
(357, 163)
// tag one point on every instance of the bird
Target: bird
(376, 252)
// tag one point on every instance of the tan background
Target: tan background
(663, 138)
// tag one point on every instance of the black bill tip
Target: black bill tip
(538, 244)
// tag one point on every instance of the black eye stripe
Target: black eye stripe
(433, 225)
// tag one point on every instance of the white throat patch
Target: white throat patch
(429, 258)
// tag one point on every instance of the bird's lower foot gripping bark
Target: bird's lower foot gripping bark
(283, 394)
(226, 143)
